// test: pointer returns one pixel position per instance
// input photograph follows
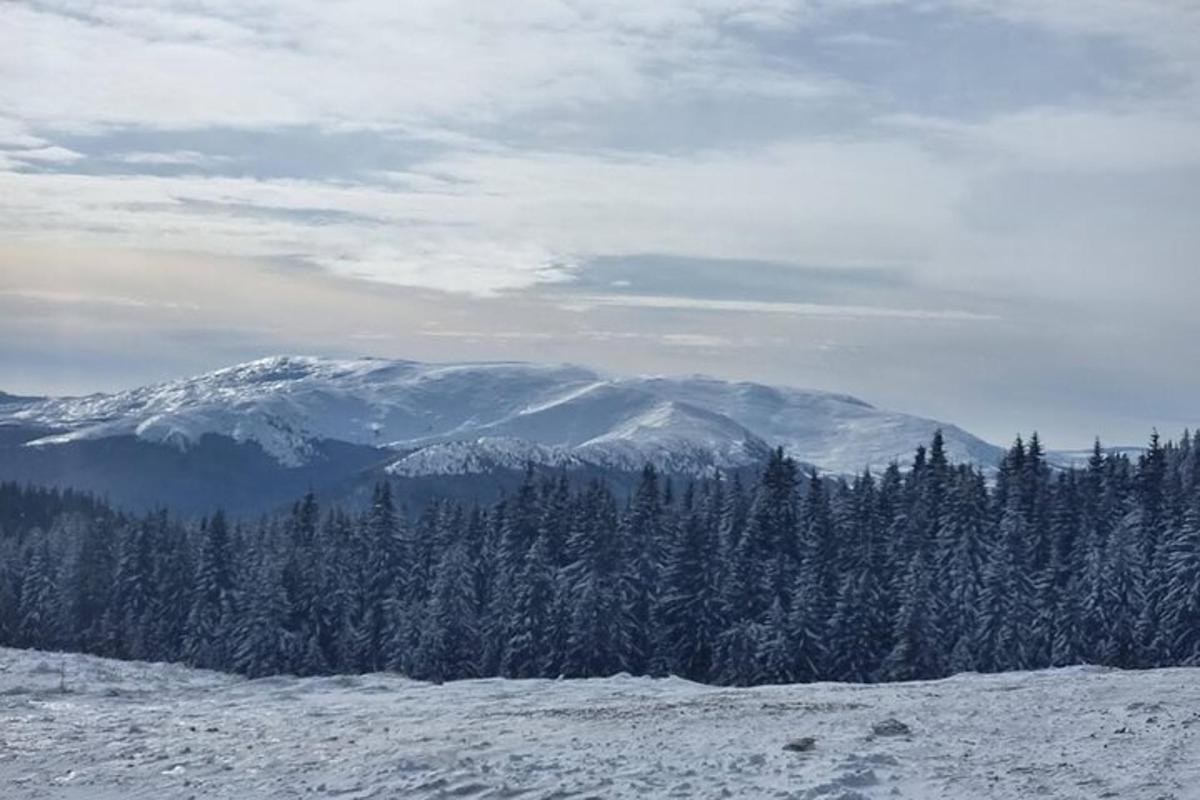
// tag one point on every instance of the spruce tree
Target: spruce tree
(1122, 580)
(207, 642)
(449, 639)
(37, 612)
(599, 628)
(643, 541)
(132, 598)
(1181, 596)
(531, 615)
(689, 605)
(262, 643)
(383, 543)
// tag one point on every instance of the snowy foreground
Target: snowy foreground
(160, 731)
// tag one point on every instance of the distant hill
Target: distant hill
(268, 428)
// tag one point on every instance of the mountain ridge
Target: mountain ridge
(468, 410)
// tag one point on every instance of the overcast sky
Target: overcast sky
(986, 211)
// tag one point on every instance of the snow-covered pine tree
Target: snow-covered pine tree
(517, 523)
(262, 644)
(132, 597)
(206, 641)
(8, 594)
(85, 577)
(532, 607)
(915, 637)
(814, 588)
(853, 639)
(1122, 581)
(384, 558)
(689, 606)
(642, 543)
(776, 653)
(1150, 488)
(1007, 611)
(1180, 607)
(599, 627)
(37, 611)
(966, 551)
(449, 636)
(739, 653)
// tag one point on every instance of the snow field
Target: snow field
(135, 730)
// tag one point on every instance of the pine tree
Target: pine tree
(131, 600)
(966, 551)
(776, 652)
(914, 654)
(690, 606)
(302, 585)
(37, 612)
(1063, 582)
(1007, 613)
(643, 540)
(598, 623)
(8, 596)
(1181, 596)
(383, 548)
(261, 641)
(1150, 486)
(172, 582)
(85, 581)
(770, 544)
(518, 521)
(449, 639)
(853, 639)
(1121, 583)
(207, 642)
(530, 623)
(814, 588)
(738, 654)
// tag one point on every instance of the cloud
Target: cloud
(91, 299)
(1164, 27)
(263, 64)
(173, 157)
(1073, 139)
(484, 222)
(861, 39)
(52, 154)
(587, 302)
(457, 192)
(487, 335)
(656, 274)
(14, 133)
(22, 158)
(701, 340)
(1001, 165)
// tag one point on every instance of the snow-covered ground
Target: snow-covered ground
(161, 731)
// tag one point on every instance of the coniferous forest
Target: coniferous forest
(914, 573)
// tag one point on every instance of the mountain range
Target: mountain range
(286, 423)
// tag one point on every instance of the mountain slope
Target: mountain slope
(12, 399)
(493, 413)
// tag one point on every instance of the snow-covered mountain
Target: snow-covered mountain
(470, 417)
(6, 399)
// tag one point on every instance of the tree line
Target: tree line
(913, 573)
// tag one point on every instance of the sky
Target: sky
(983, 211)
